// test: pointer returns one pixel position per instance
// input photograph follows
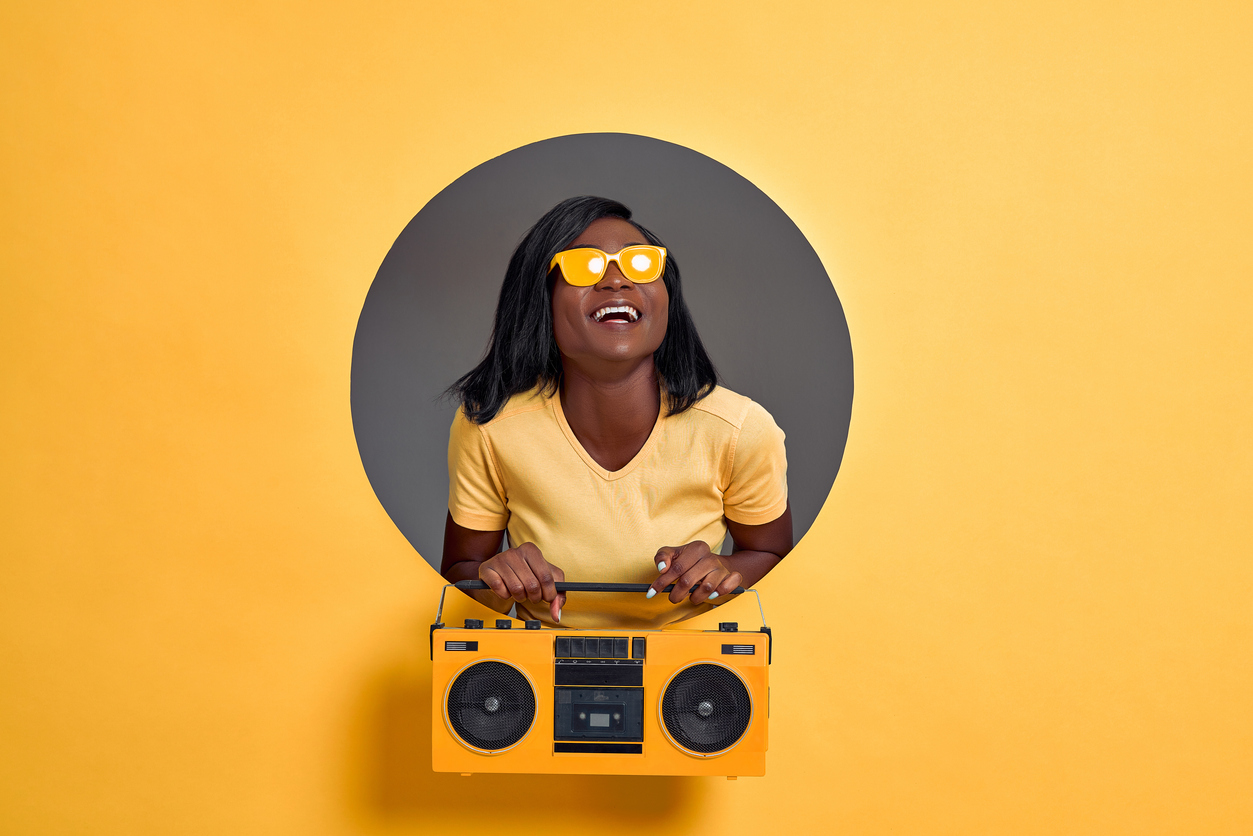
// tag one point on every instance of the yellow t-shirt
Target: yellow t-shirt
(526, 472)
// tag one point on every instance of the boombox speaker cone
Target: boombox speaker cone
(490, 706)
(706, 709)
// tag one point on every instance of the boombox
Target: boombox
(598, 702)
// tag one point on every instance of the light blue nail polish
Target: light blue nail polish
(661, 567)
(712, 596)
(651, 593)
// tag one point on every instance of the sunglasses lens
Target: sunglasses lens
(640, 264)
(582, 267)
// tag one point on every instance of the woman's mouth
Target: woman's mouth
(616, 313)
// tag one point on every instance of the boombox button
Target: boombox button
(474, 624)
(532, 625)
(503, 623)
(729, 627)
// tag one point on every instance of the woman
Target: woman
(594, 433)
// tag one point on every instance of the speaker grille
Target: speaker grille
(491, 706)
(706, 709)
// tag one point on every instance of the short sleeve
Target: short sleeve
(476, 495)
(757, 493)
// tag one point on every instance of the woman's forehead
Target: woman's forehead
(609, 234)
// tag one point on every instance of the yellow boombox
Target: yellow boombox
(598, 702)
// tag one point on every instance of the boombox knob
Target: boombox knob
(532, 625)
(729, 627)
(474, 624)
(503, 623)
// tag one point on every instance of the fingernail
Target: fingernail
(650, 593)
(712, 596)
(558, 615)
(661, 567)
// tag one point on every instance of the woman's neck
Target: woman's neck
(611, 415)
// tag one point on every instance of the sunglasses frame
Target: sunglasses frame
(558, 261)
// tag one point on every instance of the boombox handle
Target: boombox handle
(568, 586)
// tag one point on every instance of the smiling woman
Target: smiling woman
(594, 435)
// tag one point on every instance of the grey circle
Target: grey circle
(760, 297)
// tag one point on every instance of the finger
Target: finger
(706, 589)
(559, 599)
(722, 590)
(665, 560)
(727, 588)
(704, 575)
(686, 570)
(664, 557)
(494, 582)
(516, 560)
(543, 573)
(530, 580)
(681, 560)
(517, 590)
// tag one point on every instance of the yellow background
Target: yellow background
(1029, 594)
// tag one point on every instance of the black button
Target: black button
(474, 624)
(637, 648)
(729, 627)
(619, 648)
(503, 623)
(532, 625)
(563, 646)
(576, 647)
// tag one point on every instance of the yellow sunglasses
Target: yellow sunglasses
(585, 266)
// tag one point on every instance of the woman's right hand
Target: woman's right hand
(522, 574)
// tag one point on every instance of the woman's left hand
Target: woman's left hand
(694, 565)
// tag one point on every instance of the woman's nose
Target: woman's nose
(613, 278)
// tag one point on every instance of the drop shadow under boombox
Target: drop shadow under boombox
(598, 702)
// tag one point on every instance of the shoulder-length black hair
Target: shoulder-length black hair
(522, 352)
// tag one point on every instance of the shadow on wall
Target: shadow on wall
(397, 784)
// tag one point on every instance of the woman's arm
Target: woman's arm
(519, 574)
(757, 550)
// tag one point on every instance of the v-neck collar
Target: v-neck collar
(592, 464)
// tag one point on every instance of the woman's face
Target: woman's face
(587, 335)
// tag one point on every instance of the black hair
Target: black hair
(522, 351)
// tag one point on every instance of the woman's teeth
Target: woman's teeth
(632, 313)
